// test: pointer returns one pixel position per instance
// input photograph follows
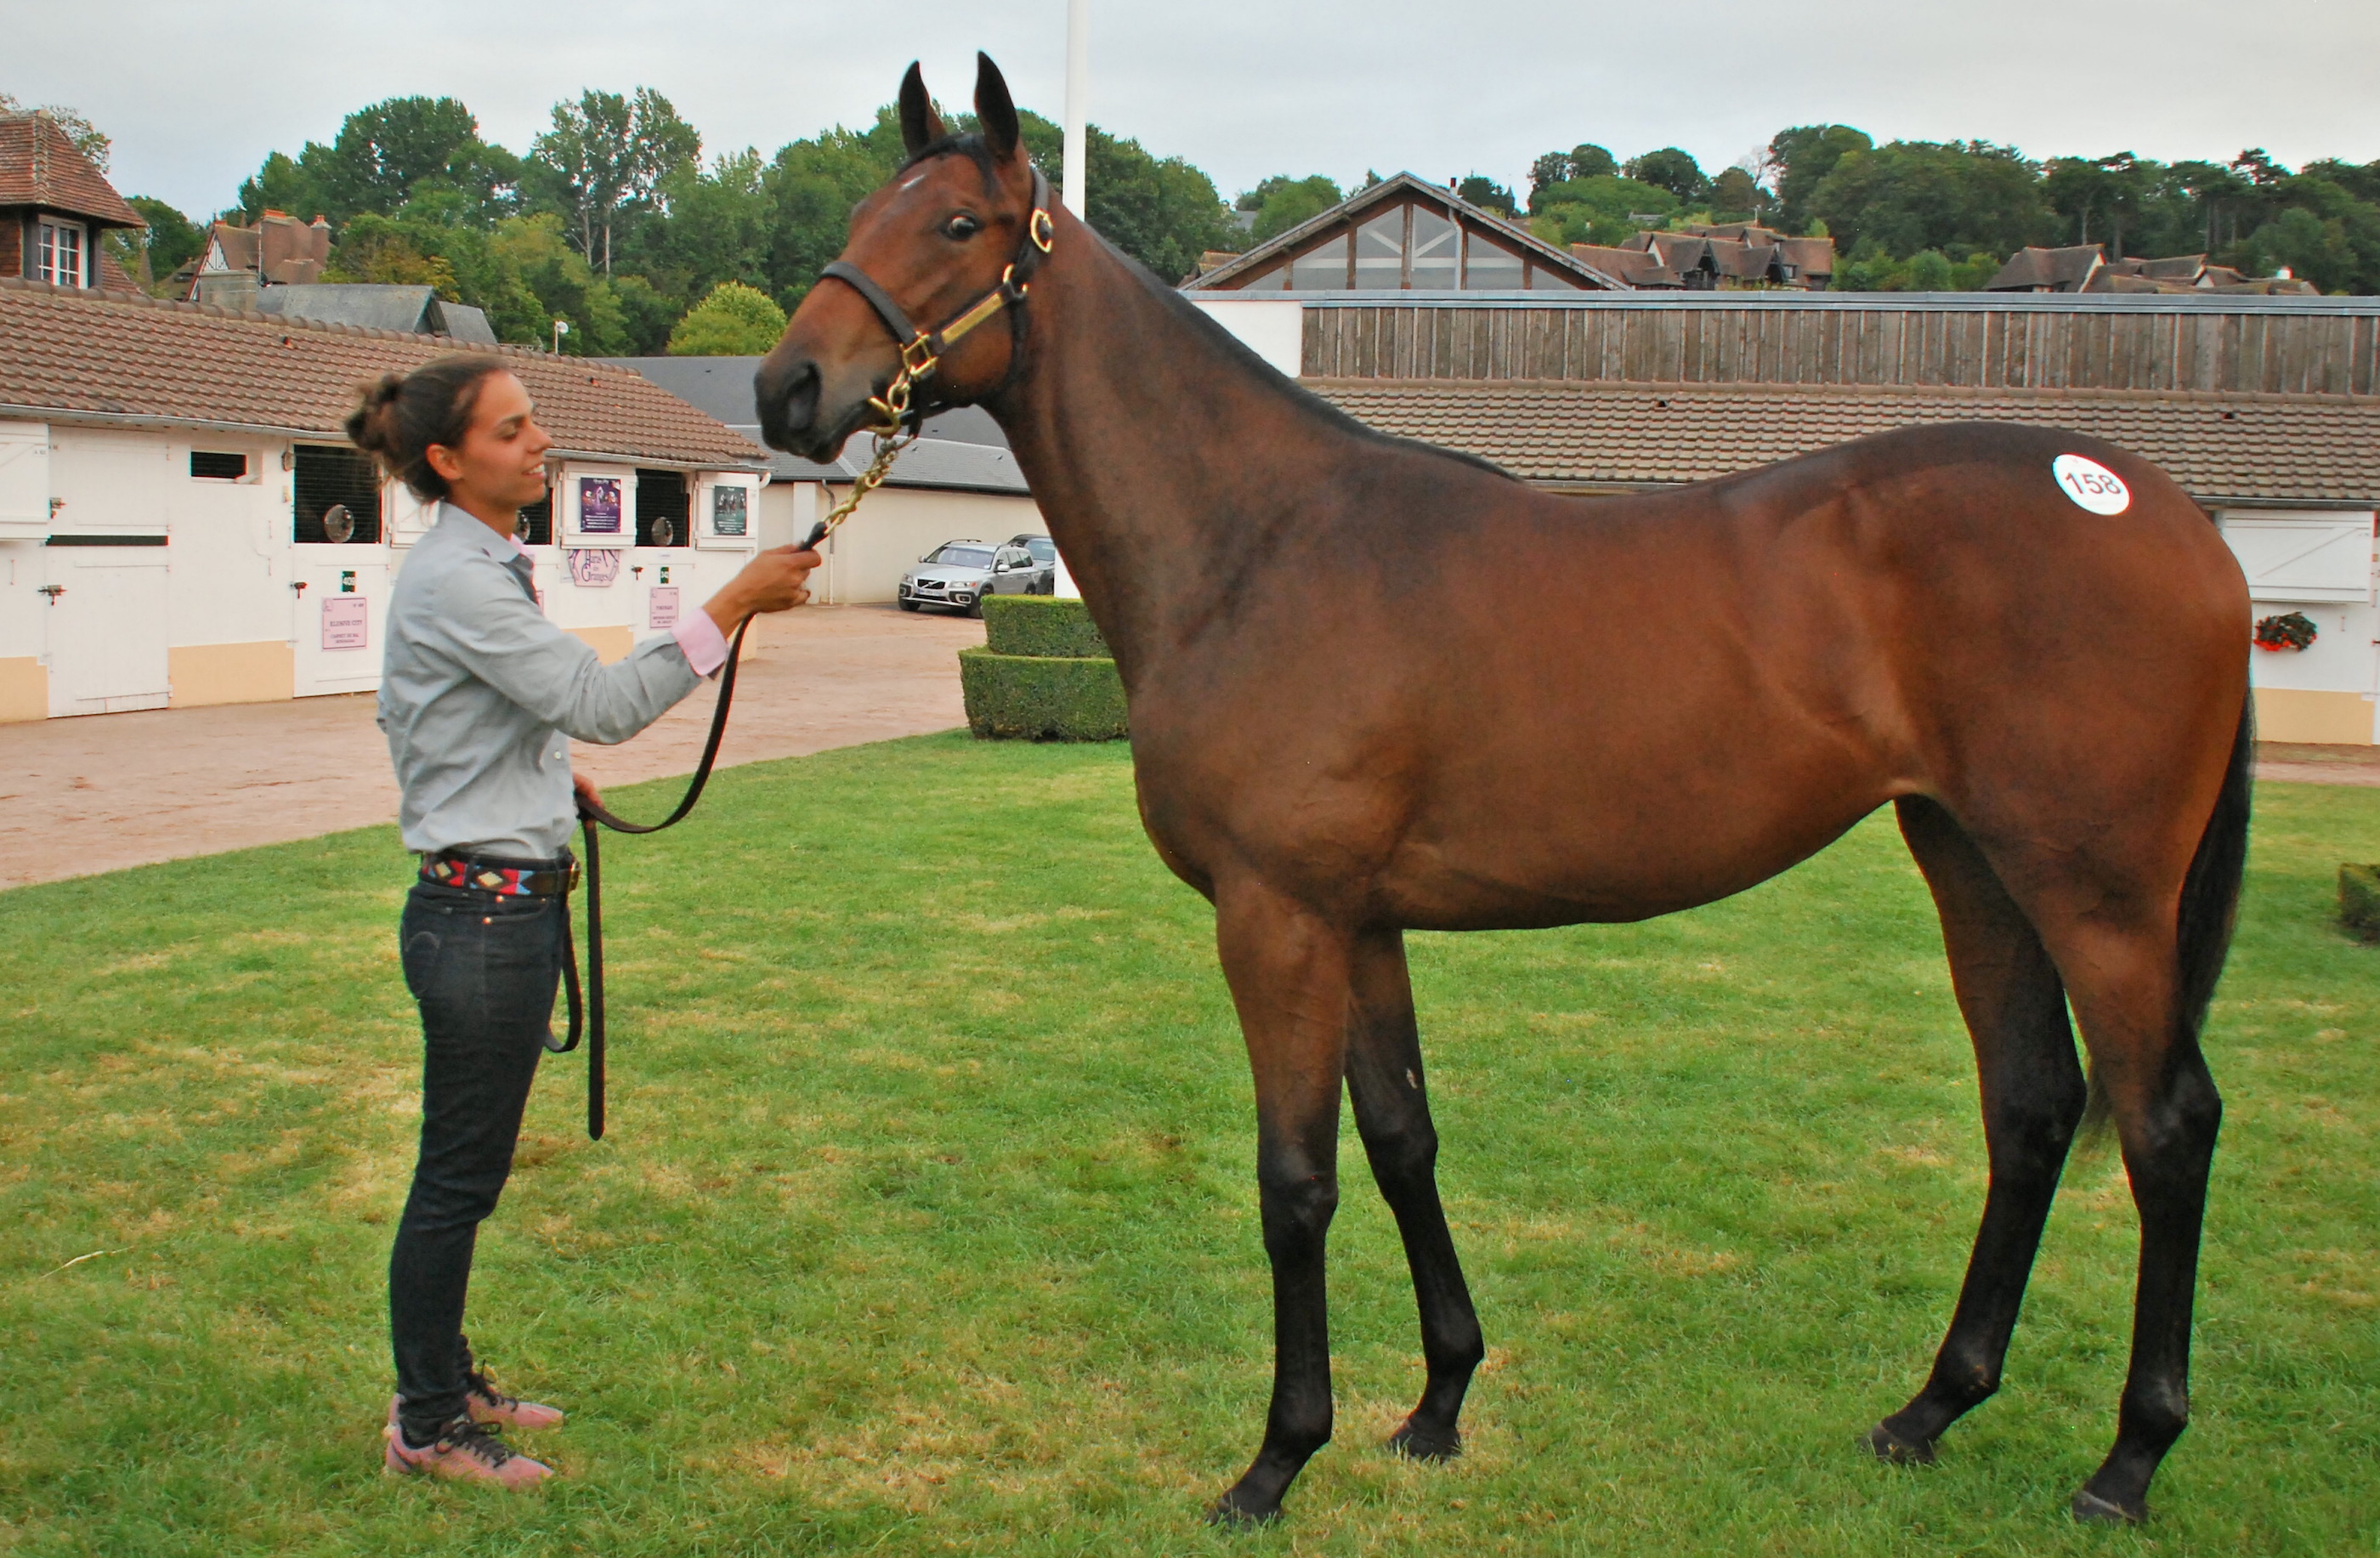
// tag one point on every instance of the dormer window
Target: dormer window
(62, 251)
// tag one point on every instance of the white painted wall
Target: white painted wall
(1272, 328)
(2323, 564)
(228, 573)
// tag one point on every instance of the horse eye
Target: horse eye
(962, 227)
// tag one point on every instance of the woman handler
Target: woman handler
(479, 695)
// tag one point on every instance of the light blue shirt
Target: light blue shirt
(479, 696)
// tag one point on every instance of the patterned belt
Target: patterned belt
(509, 879)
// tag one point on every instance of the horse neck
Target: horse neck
(1162, 455)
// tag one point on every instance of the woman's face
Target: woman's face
(501, 463)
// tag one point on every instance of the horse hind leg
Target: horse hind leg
(1384, 1080)
(2032, 1094)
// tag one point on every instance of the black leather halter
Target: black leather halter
(922, 349)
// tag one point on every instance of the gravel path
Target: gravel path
(106, 791)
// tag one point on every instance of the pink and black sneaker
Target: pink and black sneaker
(489, 1405)
(466, 1450)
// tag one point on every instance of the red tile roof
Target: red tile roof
(2302, 447)
(124, 356)
(38, 166)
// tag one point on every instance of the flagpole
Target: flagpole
(1078, 101)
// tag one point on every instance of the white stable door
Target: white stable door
(106, 629)
(342, 613)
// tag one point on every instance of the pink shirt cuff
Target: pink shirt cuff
(705, 646)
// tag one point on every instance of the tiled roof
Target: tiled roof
(2272, 447)
(128, 357)
(39, 166)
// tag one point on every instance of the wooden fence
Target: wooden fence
(2225, 345)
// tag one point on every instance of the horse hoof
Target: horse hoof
(1228, 1513)
(2090, 1509)
(1893, 1450)
(1419, 1443)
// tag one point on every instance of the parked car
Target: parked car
(1045, 558)
(959, 574)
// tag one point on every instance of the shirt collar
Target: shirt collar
(503, 549)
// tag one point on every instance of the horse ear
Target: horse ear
(921, 126)
(994, 110)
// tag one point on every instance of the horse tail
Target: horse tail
(2210, 905)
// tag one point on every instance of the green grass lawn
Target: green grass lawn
(928, 1223)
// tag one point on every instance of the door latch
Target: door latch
(53, 591)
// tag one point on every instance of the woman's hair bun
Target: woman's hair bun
(371, 426)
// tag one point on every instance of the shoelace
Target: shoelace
(480, 1441)
(478, 1384)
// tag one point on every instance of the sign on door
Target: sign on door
(346, 622)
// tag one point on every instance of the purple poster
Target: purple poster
(346, 622)
(599, 505)
(661, 607)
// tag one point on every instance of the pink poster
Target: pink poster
(346, 622)
(662, 611)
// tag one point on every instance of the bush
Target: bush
(1038, 698)
(735, 321)
(1042, 625)
(2359, 900)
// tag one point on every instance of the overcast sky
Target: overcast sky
(196, 96)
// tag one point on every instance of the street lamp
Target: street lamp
(561, 328)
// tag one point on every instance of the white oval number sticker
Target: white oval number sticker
(2091, 485)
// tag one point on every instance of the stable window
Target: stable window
(2303, 556)
(59, 252)
(1490, 268)
(664, 509)
(207, 465)
(337, 496)
(1381, 251)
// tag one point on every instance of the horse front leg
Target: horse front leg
(1384, 1080)
(1289, 973)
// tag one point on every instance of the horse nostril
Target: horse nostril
(788, 403)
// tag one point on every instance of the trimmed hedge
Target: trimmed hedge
(1041, 698)
(2359, 900)
(1042, 626)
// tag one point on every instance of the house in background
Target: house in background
(54, 204)
(1402, 234)
(1731, 257)
(274, 268)
(958, 481)
(2086, 268)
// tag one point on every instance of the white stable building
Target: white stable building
(182, 521)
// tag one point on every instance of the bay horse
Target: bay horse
(1376, 687)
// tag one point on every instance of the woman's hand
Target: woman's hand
(586, 789)
(774, 582)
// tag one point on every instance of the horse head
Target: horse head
(941, 241)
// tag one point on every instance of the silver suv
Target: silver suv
(959, 574)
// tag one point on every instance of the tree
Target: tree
(1602, 209)
(1586, 160)
(1735, 197)
(1912, 195)
(1803, 156)
(706, 227)
(1281, 202)
(1487, 194)
(151, 254)
(1674, 170)
(385, 156)
(604, 155)
(810, 187)
(734, 320)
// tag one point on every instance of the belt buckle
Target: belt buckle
(570, 875)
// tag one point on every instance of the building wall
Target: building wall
(2325, 692)
(866, 557)
(214, 614)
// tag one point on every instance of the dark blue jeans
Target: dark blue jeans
(484, 970)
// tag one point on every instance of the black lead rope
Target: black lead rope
(587, 1014)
